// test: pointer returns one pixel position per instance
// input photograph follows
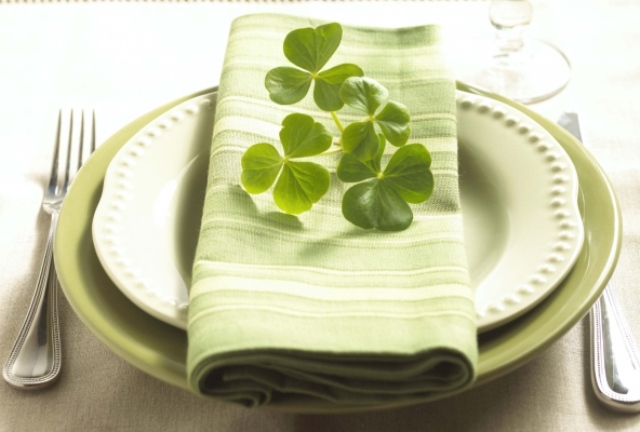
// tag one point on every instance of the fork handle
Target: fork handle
(34, 361)
(615, 371)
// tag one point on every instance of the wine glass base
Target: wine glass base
(536, 72)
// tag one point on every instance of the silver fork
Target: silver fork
(35, 359)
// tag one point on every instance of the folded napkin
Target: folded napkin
(311, 311)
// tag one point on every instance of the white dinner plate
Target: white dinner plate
(519, 194)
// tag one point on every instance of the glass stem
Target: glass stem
(510, 40)
(510, 19)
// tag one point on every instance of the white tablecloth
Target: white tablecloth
(125, 58)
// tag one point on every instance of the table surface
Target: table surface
(125, 58)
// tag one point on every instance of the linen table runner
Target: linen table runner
(310, 310)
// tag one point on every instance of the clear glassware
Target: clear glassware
(521, 68)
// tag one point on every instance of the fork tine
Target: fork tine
(67, 170)
(93, 131)
(53, 178)
(81, 147)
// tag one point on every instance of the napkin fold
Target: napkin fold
(312, 311)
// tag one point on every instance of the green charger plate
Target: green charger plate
(160, 349)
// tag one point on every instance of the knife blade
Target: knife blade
(570, 121)
(615, 363)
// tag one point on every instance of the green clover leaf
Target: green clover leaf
(287, 85)
(364, 94)
(394, 122)
(409, 174)
(374, 204)
(351, 169)
(326, 92)
(261, 164)
(310, 49)
(299, 184)
(301, 136)
(368, 95)
(382, 200)
(361, 140)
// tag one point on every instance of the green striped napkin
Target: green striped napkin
(312, 311)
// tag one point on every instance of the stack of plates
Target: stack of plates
(542, 228)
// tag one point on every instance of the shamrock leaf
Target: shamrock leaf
(326, 92)
(287, 85)
(301, 136)
(374, 204)
(368, 95)
(408, 173)
(382, 200)
(351, 169)
(361, 140)
(261, 164)
(299, 184)
(310, 49)
(364, 94)
(394, 122)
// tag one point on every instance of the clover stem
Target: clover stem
(337, 121)
(335, 149)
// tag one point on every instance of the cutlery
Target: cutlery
(615, 363)
(35, 359)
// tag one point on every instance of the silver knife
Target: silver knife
(615, 363)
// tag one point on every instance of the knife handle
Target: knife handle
(615, 371)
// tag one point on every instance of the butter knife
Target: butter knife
(615, 363)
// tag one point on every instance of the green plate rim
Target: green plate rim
(160, 349)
